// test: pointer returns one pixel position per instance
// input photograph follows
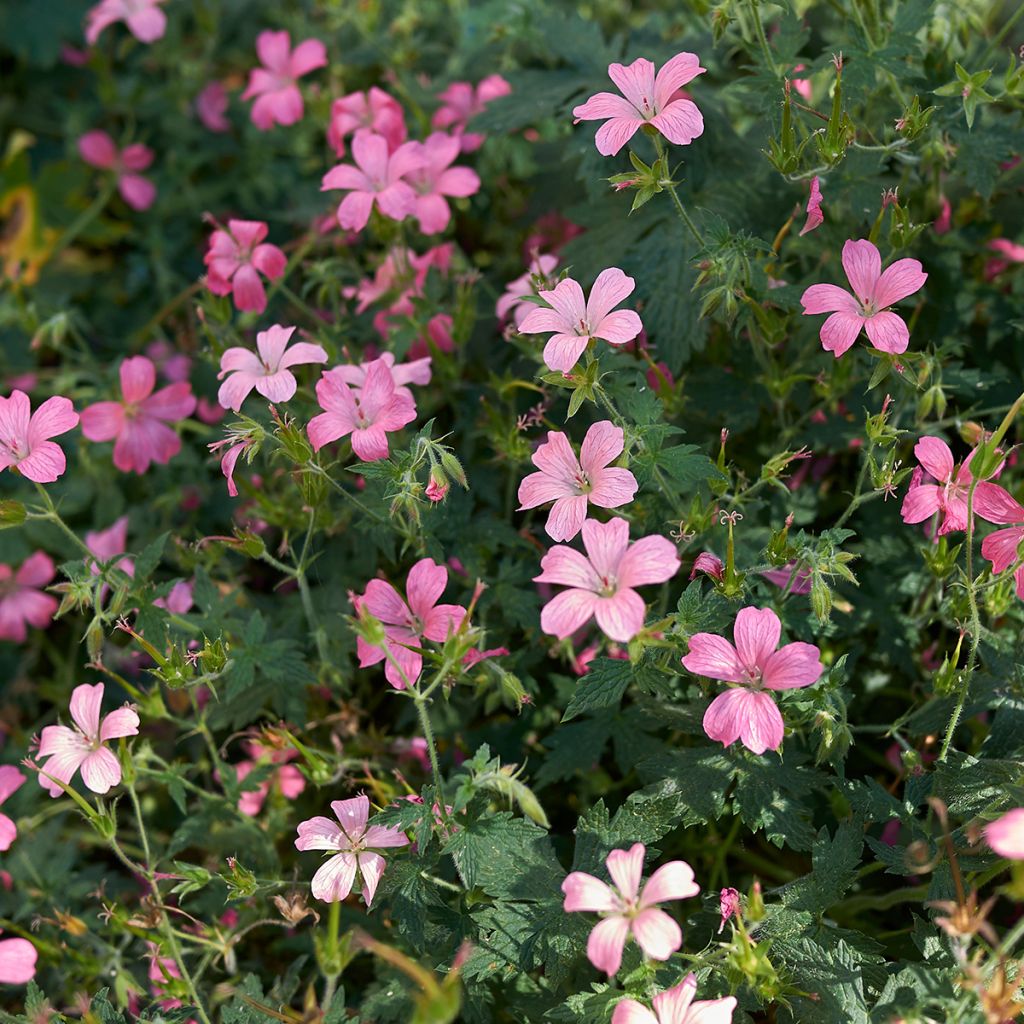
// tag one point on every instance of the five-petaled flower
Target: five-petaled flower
(25, 443)
(374, 109)
(144, 19)
(98, 149)
(23, 602)
(514, 299)
(460, 103)
(676, 1006)
(436, 179)
(275, 85)
(236, 258)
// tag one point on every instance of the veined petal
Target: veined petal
(672, 881)
(656, 933)
(863, 265)
(756, 635)
(713, 656)
(887, 332)
(620, 616)
(606, 942)
(585, 892)
(333, 879)
(611, 287)
(898, 280)
(793, 666)
(680, 122)
(626, 868)
(566, 612)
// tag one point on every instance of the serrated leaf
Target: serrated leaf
(602, 687)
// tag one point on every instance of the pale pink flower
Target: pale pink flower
(1003, 547)
(745, 711)
(802, 85)
(628, 909)
(1010, 252)
(22, 600)
(11, 780)
(649, 100)
(279, 99)
(709, 564)
(212, 107)
(138, 423)
(84, 747)
(375, 110)
(175, 366)
(461, 103)
(436, 178)
(368, 413)
(676, 1006)
(162, 970)
(729, 906)
(572, 483)
(378, 178)
(601, 583)
(949, 494)
(99, 150)
(144, 19)
(17, 961)
(25, 443)
(354, 843)
(269, 372)
(235, 260)
(407, 621)
(513, 301)
(287, 778)
(576, 321)
(815, 218)
(874, 291)
(1006, 834)
(402, 374)
(179, 599)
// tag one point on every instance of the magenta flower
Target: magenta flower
(375, 110)
(287, 778)
(138, 423)
(572, 483)
(235, 260)
(745, 712)
(649, 100)
(461, 103)
(709, 564)
(513, 300)
(269, 372)
(676, 1006)
(949, 494)
(728, 907)
(212, 107)
(1011, 253)
(628, 909)
(815, 218)
(11, 780)
(874, 290)
(84, 747)
(144, 19)
(25, 443)
(436, 178)
(17, 961)
(22, 600)
(601, 583)
(1003, 547)
(576, 321)
(368, 413)
(99, 150)
(1006, 834)
(275, 85)
(415, 372)
(354, 843)
(378, 178)
(407, 621)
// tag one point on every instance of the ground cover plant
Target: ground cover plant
(511, 512)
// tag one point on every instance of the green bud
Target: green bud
(12, 513)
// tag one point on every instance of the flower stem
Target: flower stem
(680, 209)
(761, 37)
(332, 972)
(54, 517)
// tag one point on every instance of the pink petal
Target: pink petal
(269, 260)
(606, 942)
(829, 298)
(839, 332)
(793, 666)
(539, 488)
(347, 177)
(302, 353)
(756, 635)
(102, 421)
(585, 892)
(863, 265)
(606, 544)
(370, 152)
(656, 933)
(614, 134)
(383, 602)
(566, 612)
(566, 517)
(566, 298)
(1001, 548)
(371, 867)
(8, 833)
(86, 701)
(604, 105)
(247, 290)
(432, 213)
(122, 722)
(602, 445)
(1006, 834)
(138, 192)
(17, 961)
(371, 444)
(887, 332)
(101, 770)
(98, 149)
(672, 881)
(898, 280)
(45, 464)
(748, 715)
(234, 391)
(334, 878)
(277, 387)
(612, 488)
(172, 403)
(619, 327)
(320, 833)
(713, 656)
(815, 218)
(997, 506)
(377, 837)
(274, 50)
(424, 586)
(563, 351)
(629, 1011)
(325, 428)
(142, 441)
(138, 377)
(61, 765)
(458, 182)
(352, 815)
(636, 81)
(680, 122)
(626, 868)
(566, 566)
(540, 320)
(147, 25)
(307, 56)
(674, 74)
(11, 780)
(621, 616)
(611, 287)
(354, 210)
(935, 456)
(54, 417)
(649, 560)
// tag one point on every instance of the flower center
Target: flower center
(583, 329)
(18, 450)
(608, 587)
(582, 483)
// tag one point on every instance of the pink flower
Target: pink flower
(144, 19)
(229, 460)
(138, 423)
(25, 442)
(874, 291)
(22, 601)
(601, 583)
(802, 85)
(628, 909)
(814, 215)
(408, 621)
(1006, 834)
(368, 413)
(107, 544)
(375, 110)
(287, 778)
(649, 100)
(235, 260)
(1003, 547)
(729, 906)
(575, 321)
(85, 746)
(949, 494)
(436, 178)
(676, 1006)
(354, 843)
(269, 372)
(572, 483)
(98, 150)
(790, 577)
(17, 961)
(944, 221)
(461, 103)
(378, 177)
(402, 374)
(709, 564)
(1011, 253)
(279, 100)
(438, 338)
(212, 106)
(745, 712)
(437, 490)
(179, 600)
(11, 780)
(174, 365)
(513, 300)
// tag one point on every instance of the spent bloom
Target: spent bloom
(236, 258)
(11, 780)
(573, 483)
(649, 99)
(709, 564)
(728, 906)
(25, 443)
(84, 747)
(275, 85)
(407, 620)
(513, 301)
(461, 102)
(745, 711)
(874, 290)
(1006, 834)
(269, 372)
(22, 600)
(144, 19)
(353, 843)
(98, 149)
(436, 179)
(815, 218)
(676, 1006)
(375, 109)
(575, 320)
(628, 909)
(138, 424)
(1003, 547)
(17, 961)
(601, 583)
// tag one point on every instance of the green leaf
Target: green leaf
(602, 687)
